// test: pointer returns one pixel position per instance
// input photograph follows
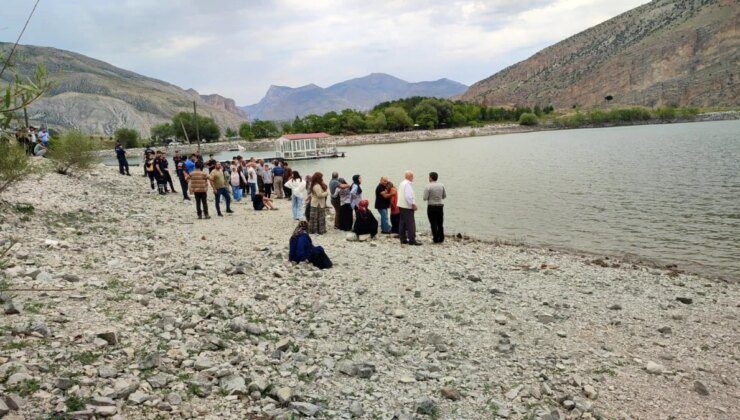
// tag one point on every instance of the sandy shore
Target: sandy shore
(149, 313)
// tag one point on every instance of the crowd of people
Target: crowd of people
(264, 182)
(35, 142)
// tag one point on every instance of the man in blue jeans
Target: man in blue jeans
(383, 204)
(218, 183)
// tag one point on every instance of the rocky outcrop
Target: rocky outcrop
(99, 98)
(663, 53)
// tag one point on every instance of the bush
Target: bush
(128, 137)
(74, 150)
(571, 121)
(528, 118)
(14, 164)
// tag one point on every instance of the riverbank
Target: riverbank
(263, 145)
(148, 312)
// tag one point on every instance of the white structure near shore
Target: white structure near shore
(303, 146)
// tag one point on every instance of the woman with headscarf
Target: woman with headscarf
(345, 206)
(302, 249)
(319, 192)
(356, 191)
(365, 222)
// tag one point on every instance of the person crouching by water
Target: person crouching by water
(365, 222)
(319, 192)
(345, 206)
(198, 186)
(302, 248)
(434, 193)
(297, 187)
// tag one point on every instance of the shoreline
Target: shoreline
(149, 311)
(262, 145)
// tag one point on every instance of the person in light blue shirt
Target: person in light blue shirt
(44, 137)
(190, 164)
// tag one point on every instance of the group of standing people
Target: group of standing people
(35, 142)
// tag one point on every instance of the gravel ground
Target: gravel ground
(143, 311)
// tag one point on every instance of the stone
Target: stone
(151, 361)
(17, 378)
(514, 392)
(260, 296)
(4, 409)
(254, 329)
(283, 394)
(545, 319)
(685, 300)
(258, 384)
(14, 401)
(160, 380)
(406, 379)
(665, 330)
(174, 399)
(107, 371)
(700, 388)
(569, 405)
(44, 277)
(110, 337)
(474, 278)
(122, 388)
(615, 307)
(307, 409)
(561, 334)
(426, 406)
(102, 401)
(233, 385)
(202, 363)
(72, 278)
(450, 393)
(351, 237)
(284, 344)
(64, 384)
(590, 392)
(654, 368)
(356, 409)
(106, 411)
(12, 308)
(501, 320)
(138, 397)
(399, 313)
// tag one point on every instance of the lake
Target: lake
(661, 193)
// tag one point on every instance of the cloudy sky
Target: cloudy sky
(239, 48)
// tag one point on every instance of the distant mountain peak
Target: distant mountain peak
(284, 103)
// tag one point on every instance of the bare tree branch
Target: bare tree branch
(12, 50)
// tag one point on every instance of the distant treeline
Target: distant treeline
(598, 117)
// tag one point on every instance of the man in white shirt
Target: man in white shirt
(407, 205)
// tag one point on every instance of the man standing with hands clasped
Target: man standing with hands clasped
(434, 193)
(407, 205)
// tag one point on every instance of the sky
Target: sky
(239, 48)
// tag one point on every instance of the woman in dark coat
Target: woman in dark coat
(345, 206)
(302, 248)
(365, 222)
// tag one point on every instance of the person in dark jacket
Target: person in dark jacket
(122, 161)
(365, 222)
(302, 248)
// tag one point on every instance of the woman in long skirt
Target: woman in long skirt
(319, 192)
(345, 206)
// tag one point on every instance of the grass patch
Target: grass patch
(24, 208)
(75, 403)
(25, 388)
(87, 357)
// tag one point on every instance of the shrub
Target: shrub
(689, 112)
(571, 121)
(14, 164)
(74, 150)
(128, 137)
(528, 118)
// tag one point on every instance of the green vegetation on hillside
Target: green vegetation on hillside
(598, 117)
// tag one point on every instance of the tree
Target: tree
(230, 133)
(207, 128)
(73, 150)
(245, 131)
(162, 131)
(264, 129)
(298, 126)
(528, 118)
(397, 119)
(376, 122)
(128, 137)
(425, 114)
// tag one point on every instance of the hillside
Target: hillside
(283, 103)
(97, 97)
(666, 52)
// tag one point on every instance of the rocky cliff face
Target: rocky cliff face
(97, 97)
(284, 103)
(682, 52)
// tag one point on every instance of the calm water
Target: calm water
(664, 193)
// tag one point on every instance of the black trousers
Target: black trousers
(123, 166)
(183, 185)
(168, 179)
(268, 189)
(201, 201)
(151, 178)
(436, 221)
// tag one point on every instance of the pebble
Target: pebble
(654, 368)
(700, 388)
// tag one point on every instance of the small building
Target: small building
(303, 146)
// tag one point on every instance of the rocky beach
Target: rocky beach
(120, 303)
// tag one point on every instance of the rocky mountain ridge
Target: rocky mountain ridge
(99, 98)
(662, 53)
(284, 103)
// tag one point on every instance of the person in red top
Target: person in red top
(392, 193)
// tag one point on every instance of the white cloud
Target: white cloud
(238, 48)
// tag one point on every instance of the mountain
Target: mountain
(682, 52)
(97, 97)
(284, 103)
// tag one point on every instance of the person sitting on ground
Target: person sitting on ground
(260, 202)
(39, 149)
(302, 248)
(365, 221)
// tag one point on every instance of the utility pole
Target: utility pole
(197, 134)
